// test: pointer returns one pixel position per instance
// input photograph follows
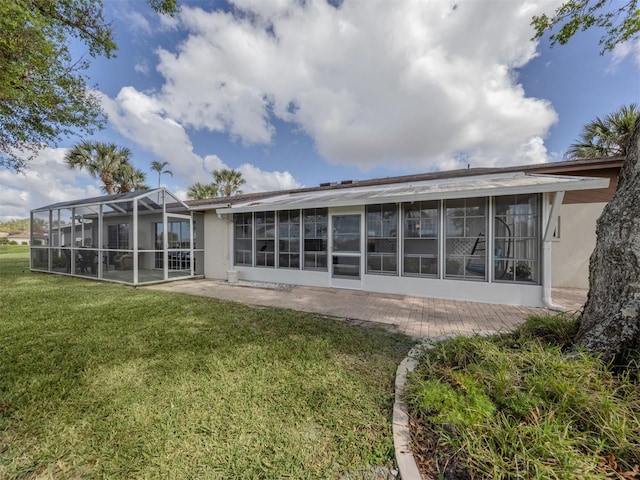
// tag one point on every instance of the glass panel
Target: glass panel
(265, 233)
(243, 240)
(421, 227)
(428, 266)
(346, 266)
(54, 230)
(265, 225)
(67, 234)
(465, 241)
(40, 229)
(61, 260)
(382, 233)
(315, 238)
(289, 239)
(159, 245)
(346, 233)
(411, 265)
(85, 232)
(374, 263)
(517, 238)
(86, 262)
(390, 263)
(265, 256)
(40, 258)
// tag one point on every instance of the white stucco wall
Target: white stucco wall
(217, 233)
(570, 255)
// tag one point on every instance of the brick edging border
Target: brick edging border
(407, 467)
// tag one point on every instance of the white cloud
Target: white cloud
(47, 181)
(141, 118)
(260, 181)
(142, 67)
(136, 21)
(623, 51)
(415, 83)
(408, 84)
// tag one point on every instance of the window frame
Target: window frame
(377, 225)
(320, 256)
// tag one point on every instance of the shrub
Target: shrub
(523, 406)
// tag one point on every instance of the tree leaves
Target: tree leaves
(608, 136)
(621, 21)
(43, 89)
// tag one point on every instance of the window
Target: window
(465, 238)
(382, 238)
(517, 238)
(421, 222)
(118, 236)
(265, 239)
(315, 238)
(242, 239)
(289, 239)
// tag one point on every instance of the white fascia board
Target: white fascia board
(209, 206)
(466, 187)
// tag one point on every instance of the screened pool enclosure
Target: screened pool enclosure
(134, 238)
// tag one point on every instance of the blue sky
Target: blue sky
(298, 93)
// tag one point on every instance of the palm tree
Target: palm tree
(129, 178)
(201, 191)
(101, 160)
(228, 181)
(160, 168)
(608, 136)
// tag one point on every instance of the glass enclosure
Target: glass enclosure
(443, 239)
(119, 238)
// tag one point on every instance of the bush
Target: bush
(522, 406)
(557, 330)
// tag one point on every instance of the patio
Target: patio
(414, 316)
(135, 238)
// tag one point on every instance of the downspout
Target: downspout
(552, 222)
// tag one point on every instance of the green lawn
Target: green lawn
(102, 380)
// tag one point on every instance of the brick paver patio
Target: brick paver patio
(414, 316)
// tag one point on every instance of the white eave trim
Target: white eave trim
(444, 189)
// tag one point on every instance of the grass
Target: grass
(108, 381)
(524, 406)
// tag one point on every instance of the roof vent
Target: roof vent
(346, 182)
(325, 184)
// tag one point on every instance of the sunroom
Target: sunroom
(481, 238)
(134, 238)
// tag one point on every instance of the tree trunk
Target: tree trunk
(611, 320)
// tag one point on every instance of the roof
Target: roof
(565, 167)
(461, 187)
(150, 200)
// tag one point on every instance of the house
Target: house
(498, 235)
(18, 238)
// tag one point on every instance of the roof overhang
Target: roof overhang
(150, 199)
(463, 187)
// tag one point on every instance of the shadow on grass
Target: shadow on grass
(107, 380)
